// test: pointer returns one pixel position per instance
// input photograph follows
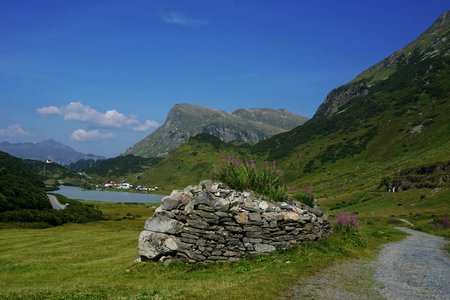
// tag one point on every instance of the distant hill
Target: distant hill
(48, 149)
(186, 120)
(114, 167)
(188, 164)
(53, 173)
(20, 188)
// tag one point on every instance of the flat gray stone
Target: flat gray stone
(169, 203)
(256, 217)
(264, 248)
(163, 224)
(200, 224)
(221, 204)
(263, 205)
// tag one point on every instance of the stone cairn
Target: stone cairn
(210, 223)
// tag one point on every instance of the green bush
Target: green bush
(260, 177)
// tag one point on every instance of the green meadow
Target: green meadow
(96, 261)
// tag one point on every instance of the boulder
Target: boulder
(153, 245)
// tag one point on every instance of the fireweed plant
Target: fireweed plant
(346, 223)
(250, 175)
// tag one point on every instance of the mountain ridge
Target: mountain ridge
(186, 120)
(431, 43)
(47, 149)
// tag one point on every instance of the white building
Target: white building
(125, 186)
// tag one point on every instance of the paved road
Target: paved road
(55, 204)
(415, 268)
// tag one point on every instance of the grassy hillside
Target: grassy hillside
(372, 127)
(52, 173)
(121, 166)
(20, 188)
(189, 164)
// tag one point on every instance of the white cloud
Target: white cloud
(148, 124)
(178, 19)
(14, 131)
(49, 110)
(76, 111)
(81, 135)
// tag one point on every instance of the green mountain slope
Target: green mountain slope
(392, 112)
(119, 167)
(391, 118)
(188, 164)
(53, 173)
(20, 188)
(185, 121)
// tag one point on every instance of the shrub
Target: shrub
(394, 221)
(444, 223)
(260, 177)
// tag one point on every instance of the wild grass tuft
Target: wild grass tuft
(305, 198)
(260, 177)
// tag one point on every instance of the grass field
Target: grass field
(96, 261)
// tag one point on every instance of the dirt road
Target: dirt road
(414, 268)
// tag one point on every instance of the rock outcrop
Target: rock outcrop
(210, 222)
(424, 177)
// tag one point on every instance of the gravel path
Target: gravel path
(414, 268)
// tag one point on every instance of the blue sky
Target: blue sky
(101, 75)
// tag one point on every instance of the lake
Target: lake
(74, 192)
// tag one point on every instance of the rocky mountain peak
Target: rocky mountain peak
(442, 21)
(187, 120)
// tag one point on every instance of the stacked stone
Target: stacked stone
(210, 222)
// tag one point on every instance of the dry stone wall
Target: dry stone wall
(210, 222)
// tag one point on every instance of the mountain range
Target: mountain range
(46, 150)
(185, 120)
(392, 117)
